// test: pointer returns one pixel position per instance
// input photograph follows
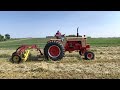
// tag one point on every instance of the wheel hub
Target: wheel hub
(54, 51)
(89, 55)
(15, 58)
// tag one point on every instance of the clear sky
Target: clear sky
(21, 24)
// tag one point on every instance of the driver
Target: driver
(58, 35)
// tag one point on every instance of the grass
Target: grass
(104, 42)
(15, 43)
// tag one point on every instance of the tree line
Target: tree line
(76, 36)
(5, 37)
(73, 36)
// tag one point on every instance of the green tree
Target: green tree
(1, 37)
(7, 36)
(73, 36)
(89, 37)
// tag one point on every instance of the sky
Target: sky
(22, 24)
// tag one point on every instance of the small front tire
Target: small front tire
(89, 55)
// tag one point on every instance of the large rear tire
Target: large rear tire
(54, 50)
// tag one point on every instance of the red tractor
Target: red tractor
(55, 49)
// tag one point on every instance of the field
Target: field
(105, 66)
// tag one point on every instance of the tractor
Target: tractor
(55, 49)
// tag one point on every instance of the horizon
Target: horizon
(39, 24)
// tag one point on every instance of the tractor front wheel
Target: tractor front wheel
(54, 50)
(80, 53)
(89, 55)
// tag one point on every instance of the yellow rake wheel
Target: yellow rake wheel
(16, 59)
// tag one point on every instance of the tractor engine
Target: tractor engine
(73, 45)
(76, 43)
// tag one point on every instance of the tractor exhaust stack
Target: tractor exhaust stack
(77, 32)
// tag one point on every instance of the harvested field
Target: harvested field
(105, 66)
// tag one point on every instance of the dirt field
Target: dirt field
(105, 66)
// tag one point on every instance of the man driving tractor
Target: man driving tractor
(58, 35)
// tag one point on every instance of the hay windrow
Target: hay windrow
(105, 65)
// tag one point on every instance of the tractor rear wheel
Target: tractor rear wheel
(54, 50)
(89, 55)
(16, 58)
